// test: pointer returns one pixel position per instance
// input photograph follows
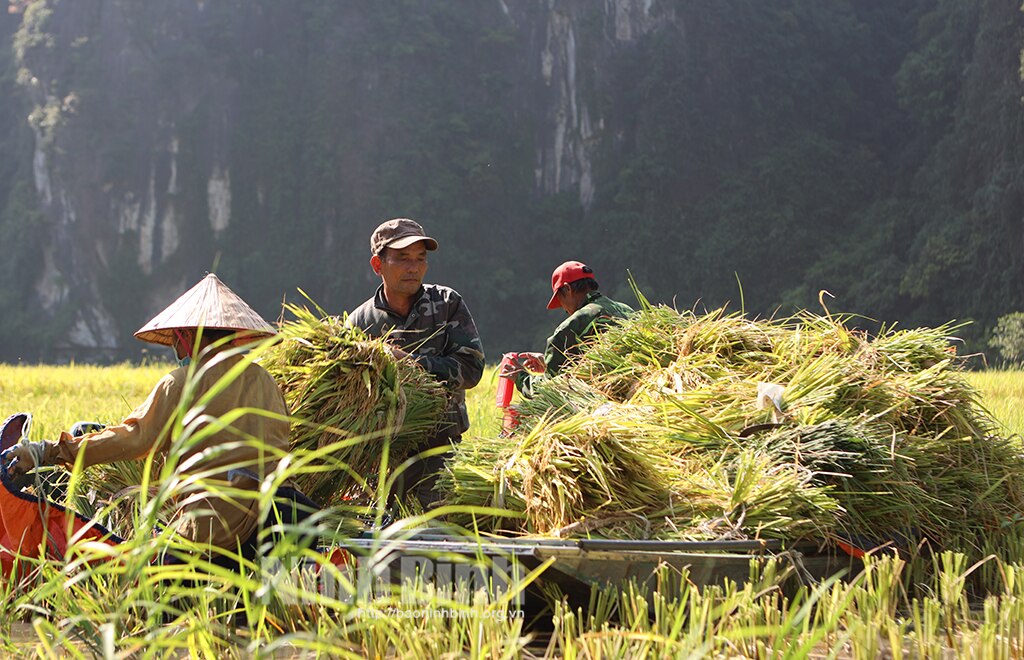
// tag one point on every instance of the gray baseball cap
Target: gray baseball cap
(397, 234)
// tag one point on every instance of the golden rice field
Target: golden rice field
(58, 396)
(1003, 393)
(120, 610)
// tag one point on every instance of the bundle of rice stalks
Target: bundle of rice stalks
(869, 480)
(115, 488)
(628, 354)
(351, 401)
(569, 475)
(619, 471)
(752, 495)
(783, 428)
(341, 385)
(474, 476)
(586, 466)
(561, 398)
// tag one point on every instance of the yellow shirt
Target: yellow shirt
(217, 519)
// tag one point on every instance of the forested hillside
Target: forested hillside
(871, 148)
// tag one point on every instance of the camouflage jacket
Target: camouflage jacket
(440, 334)
(597, 311)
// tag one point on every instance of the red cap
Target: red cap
(567, 273)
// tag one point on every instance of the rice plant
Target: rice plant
(339, 384)
(119, 602)
(786, 428)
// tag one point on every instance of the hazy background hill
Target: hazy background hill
(872, 148)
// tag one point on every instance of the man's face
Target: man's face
(402, 270)
(183, 341)
(567, 300)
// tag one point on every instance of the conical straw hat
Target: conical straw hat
(209, 304)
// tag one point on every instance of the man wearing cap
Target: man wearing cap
(201, 326)
(427, 323)
(575, 290)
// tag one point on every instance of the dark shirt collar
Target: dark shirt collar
(381, 303)
(591, 297)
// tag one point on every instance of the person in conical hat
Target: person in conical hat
(211, 306)
(201, 326)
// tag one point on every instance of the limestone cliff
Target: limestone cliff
(177, 136)
(867, 147)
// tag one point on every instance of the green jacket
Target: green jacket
(567, 341)
(441, 335)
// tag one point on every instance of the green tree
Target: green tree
(1008, 337)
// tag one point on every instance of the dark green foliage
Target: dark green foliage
(872, 148)
(21, 225)
(1008, 337)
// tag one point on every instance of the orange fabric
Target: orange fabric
(31, 527)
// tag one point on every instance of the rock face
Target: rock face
(110, 83)
(867, 147)
(162, 131)
(570, 61)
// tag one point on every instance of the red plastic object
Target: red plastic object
(506, 384)
(509, 421)
(851, 550)
(503, 399)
